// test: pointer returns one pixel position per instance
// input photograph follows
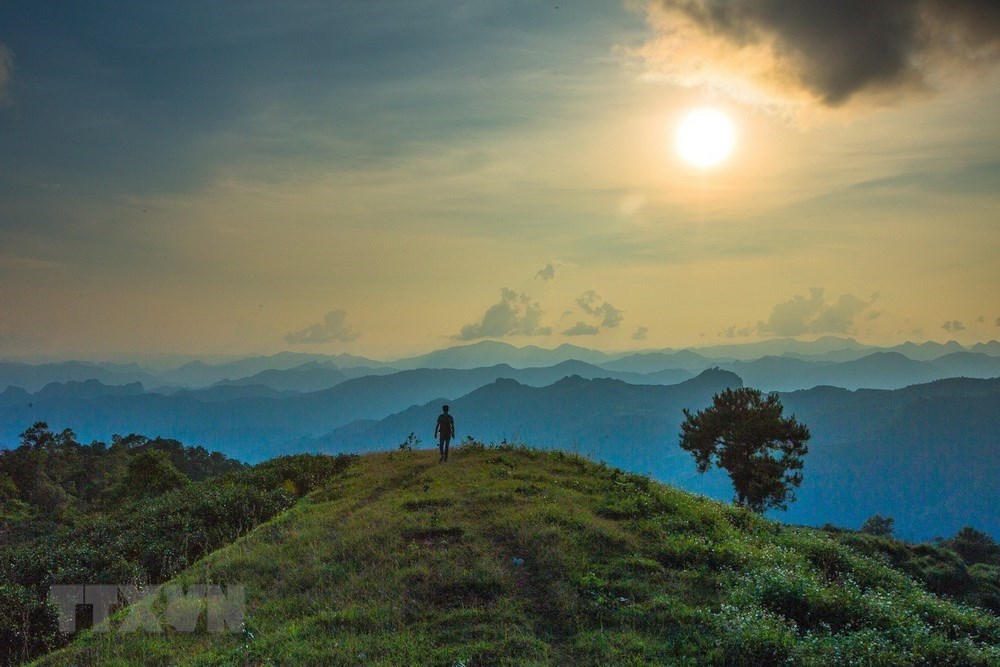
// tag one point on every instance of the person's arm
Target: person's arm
(437, 427)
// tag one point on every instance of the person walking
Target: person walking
(444, 431)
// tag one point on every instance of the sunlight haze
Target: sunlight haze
(410, 167)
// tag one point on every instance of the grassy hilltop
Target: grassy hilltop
(514, 556)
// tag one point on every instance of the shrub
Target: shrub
(881, 526)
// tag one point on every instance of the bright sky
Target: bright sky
(385, 178)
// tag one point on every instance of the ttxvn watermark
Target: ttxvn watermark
(207, 607)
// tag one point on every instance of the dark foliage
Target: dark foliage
(53, 477)
(878, 525)
(939, 566)
(974, 546)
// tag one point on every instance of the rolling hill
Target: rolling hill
(511, 556)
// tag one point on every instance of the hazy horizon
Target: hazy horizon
(165, 359)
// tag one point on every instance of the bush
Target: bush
(878, 525)
(149, 474)
(974, 546)
(27, 624)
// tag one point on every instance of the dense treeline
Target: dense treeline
(135, 512)
(52, 476)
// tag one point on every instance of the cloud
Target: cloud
(547, 272)
(640, 333)
(334, 327)
(581, 329)
(801, 315)
(592, 304)
(997, 322)
(981, 319)
(827, 51)
(953, 325)
(6, 64)
(733, 332)
(515, 314)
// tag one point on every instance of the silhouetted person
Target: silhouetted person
(444, 431)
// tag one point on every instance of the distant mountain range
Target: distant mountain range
(879, 370)
(310, 376)
(199, 374)
(303, 372)
(250, 420)
(489, 353)
(600, 417)
(827, 348)
(33, 377)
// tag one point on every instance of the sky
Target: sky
(389, 177)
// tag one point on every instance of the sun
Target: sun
(705, 138)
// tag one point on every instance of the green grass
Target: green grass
(520, 557)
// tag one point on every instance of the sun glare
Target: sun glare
(705, 138)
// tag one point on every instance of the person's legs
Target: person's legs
(446, 443)
(443, 447)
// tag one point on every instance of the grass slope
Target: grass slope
(513, 556)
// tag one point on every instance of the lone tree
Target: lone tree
(745, 433)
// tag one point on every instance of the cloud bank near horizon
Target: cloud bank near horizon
(514, 315)
(333, 328)
(815, 315)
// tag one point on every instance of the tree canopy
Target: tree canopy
(745, 433)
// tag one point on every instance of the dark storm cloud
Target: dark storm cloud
(581, 329)
(953, 325)
(838, 48)
(640, 333)
(814, 314)
(334, 327)
(515, 314)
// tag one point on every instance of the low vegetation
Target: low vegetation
(507, 555)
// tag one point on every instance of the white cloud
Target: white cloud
(733, 332)
(581, 329)
(592, 304)
(334, 327)
(514, 314)
(801, 315)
